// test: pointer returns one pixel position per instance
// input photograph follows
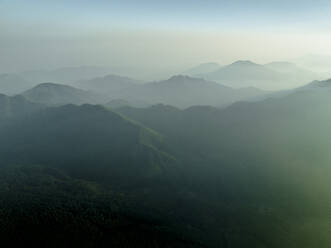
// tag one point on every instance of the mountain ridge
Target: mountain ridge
(59, 94)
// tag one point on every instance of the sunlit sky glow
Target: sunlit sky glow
(47, 33)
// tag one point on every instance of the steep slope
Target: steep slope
(89, 141)
(99, 175)
(59, 94)
(184, 91)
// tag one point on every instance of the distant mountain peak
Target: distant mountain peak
(50, 84)
(244, 62)
(58, 94)
(176, 77)
(179, 78)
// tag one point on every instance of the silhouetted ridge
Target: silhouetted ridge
(16, 106)
(185, 91)
(244, 63)
(59, 94)
(110, 85)
(85, 136)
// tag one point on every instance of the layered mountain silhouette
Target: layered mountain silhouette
(59, 94)
(271, 76)
(244, 125)
(110, 85)
(279, 144)
(238, 175)
(184, 91)
(16, 106)
(180, 91)
(246, 73)
(110, 147)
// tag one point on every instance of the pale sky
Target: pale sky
(39, 34)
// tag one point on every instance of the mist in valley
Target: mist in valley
(165, 124)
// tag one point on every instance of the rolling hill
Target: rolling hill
(59, 94)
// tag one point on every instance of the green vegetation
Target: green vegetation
(250, 175)
(42, 206)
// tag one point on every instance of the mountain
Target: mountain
(110, 85)
(184, 91)
(271, 154)
(252, 118)
(59, 94)
(247, 74)
(16, 106)
(253, 174)
(292, 126)
(316, 85)
(12, 84)
(110, 148)
(48, 206)
(92, 174)
(180, 91)
(202, 69)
